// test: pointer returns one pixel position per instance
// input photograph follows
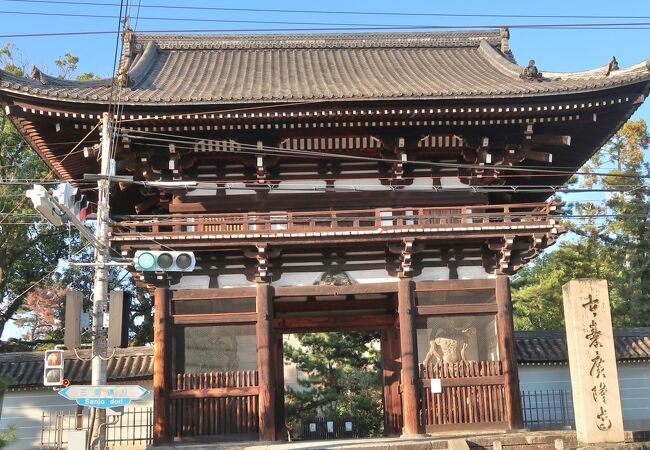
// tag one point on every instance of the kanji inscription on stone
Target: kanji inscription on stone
(592, 362)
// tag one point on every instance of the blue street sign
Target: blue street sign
(104, 396)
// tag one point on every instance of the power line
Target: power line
(612, 26)
(253, 149)
(340, 12)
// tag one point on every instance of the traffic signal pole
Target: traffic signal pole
(100, 289)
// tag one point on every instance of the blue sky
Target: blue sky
(553, 49)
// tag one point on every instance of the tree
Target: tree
(29, 251)
(343, 380)
(610, 241)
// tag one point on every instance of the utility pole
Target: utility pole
(100, 289)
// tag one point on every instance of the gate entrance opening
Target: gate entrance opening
(333, 385)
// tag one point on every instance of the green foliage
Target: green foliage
(30, 251)
(343, 380)
(616, 249)
(66, 64)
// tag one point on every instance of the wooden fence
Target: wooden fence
(218, 403)
(472, 393)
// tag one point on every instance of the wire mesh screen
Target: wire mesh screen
(217, 349)
(454, 339)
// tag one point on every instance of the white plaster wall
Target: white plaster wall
(23, 410)
(234, 280)
(634, 383)
(192, 282)
(298, 278)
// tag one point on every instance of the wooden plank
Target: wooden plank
(208, 319)
(467, 381)
(453, 285)
(335, 305)
(466, 308)
(506, 342)
(338, 323)
(355, 289)
(213, 294)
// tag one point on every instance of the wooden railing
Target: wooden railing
(218, 403)
(472, 393)
(344, 220)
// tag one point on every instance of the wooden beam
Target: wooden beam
(161, 367)
(326, 290)
(410, 377)
(391, 373)
(338, 323)
(468, 381)
(453, 285)
(213, 294)
(215, 392)
(265, 362)
(333, 305)
(506, 341)
(214, 319)
(279, 202)
(466, 308)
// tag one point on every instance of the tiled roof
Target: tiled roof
(199, 69)
(26, 368)
(550, 346)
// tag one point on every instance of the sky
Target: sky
(553, 49)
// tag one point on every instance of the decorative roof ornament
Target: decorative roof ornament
(530, 72)
(505, 40)
(38, 75)
(122, 77)
(612, 66)
(125, 59)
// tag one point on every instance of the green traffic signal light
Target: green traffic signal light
(147, 261)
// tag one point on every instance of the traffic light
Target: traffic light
(163, 261)
(43, 203)
(53, 368)
(71, 202)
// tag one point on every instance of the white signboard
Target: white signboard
(330, 427)
(436, 386)
(104, 396)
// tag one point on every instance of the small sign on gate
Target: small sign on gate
(436, 386)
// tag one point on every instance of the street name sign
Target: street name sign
(104, 396)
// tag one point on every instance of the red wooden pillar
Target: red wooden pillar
(410, 377)
(507, 352)
(391, 369)
(161, 366)
(265, 362)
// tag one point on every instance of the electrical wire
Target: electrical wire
(270, 150)
(339, 12)
(592, 26)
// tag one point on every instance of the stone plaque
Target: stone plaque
(592, 362)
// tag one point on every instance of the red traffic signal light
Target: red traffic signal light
(53, 368)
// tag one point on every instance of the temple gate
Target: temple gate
(389, 182)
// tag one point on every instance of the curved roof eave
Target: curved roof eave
(147, 105)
